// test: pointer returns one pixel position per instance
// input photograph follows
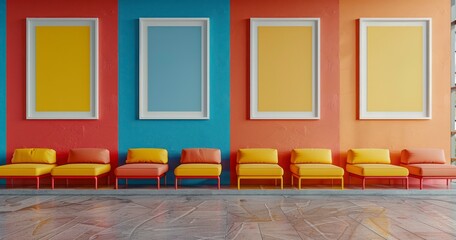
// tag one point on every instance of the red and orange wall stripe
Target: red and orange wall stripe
(229, 127)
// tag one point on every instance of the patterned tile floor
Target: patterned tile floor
(319, 216)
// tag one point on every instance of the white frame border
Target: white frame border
(426, 23)
(143, 71)
(31, 112)
(254, 24)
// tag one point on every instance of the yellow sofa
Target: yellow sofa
(35, 163)
(89, 163)
(314, 164)
(371, 163)
(197, 163)
(258, 163)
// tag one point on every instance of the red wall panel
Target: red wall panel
(284, 135)
(62, 135)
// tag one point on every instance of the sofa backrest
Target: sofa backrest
(147, 155)
(368, 155)
(311, 155)
(34, 155)
(201, 155)
(423, 155)
(89, 155)
(257, 155)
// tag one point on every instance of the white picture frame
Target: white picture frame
(255, 23)
(426, 38)
(199, 80)
(31, 109)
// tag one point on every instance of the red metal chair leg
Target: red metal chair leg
(37, 183)
(175, 183)
(158, 182)
(421, 183)
(218, 179)
(96, 183)
(407, 183)
(364, 183)
(117, 183)
(52, 183)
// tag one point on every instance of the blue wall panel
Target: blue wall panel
(175, 134)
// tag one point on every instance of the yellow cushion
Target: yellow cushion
(316, 170)
(147, 155)
(368, 155)
(311, 155)
(25, 169)
(259, 170)
(34, 155)
(377, 170)
(81, 169)
(257, 155)
(198, 169)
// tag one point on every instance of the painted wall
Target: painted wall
(175, 134)
(2, 82)
(62, 135)
(229, 127)
(284, 135)
(394, 134)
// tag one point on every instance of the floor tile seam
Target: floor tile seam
(437, 228)
(368, 228)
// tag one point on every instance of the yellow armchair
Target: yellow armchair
(371, 163)
(314, 164)
(258, 163)
(34, 163)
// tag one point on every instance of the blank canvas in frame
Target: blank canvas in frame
(62, 68)
(284, 68)
(174, 68)
(395, 68)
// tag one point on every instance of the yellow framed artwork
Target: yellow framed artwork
(284, 68)
(62, 68)
(395, 68)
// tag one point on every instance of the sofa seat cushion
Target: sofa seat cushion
(141, 170)
(423, 155)
(147, 155)
(25, 169)
(201, 155)
(368, 156)
(259, 170)
(81, 169)
(198, 169)
(257, 155)
(431, 170)
(311, 155)
(34, 155)
(316, 170)
(89, 155)
(377, 170)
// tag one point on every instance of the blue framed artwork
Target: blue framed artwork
(174, 68)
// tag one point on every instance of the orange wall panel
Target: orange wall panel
(394, 134)
(284, 135)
